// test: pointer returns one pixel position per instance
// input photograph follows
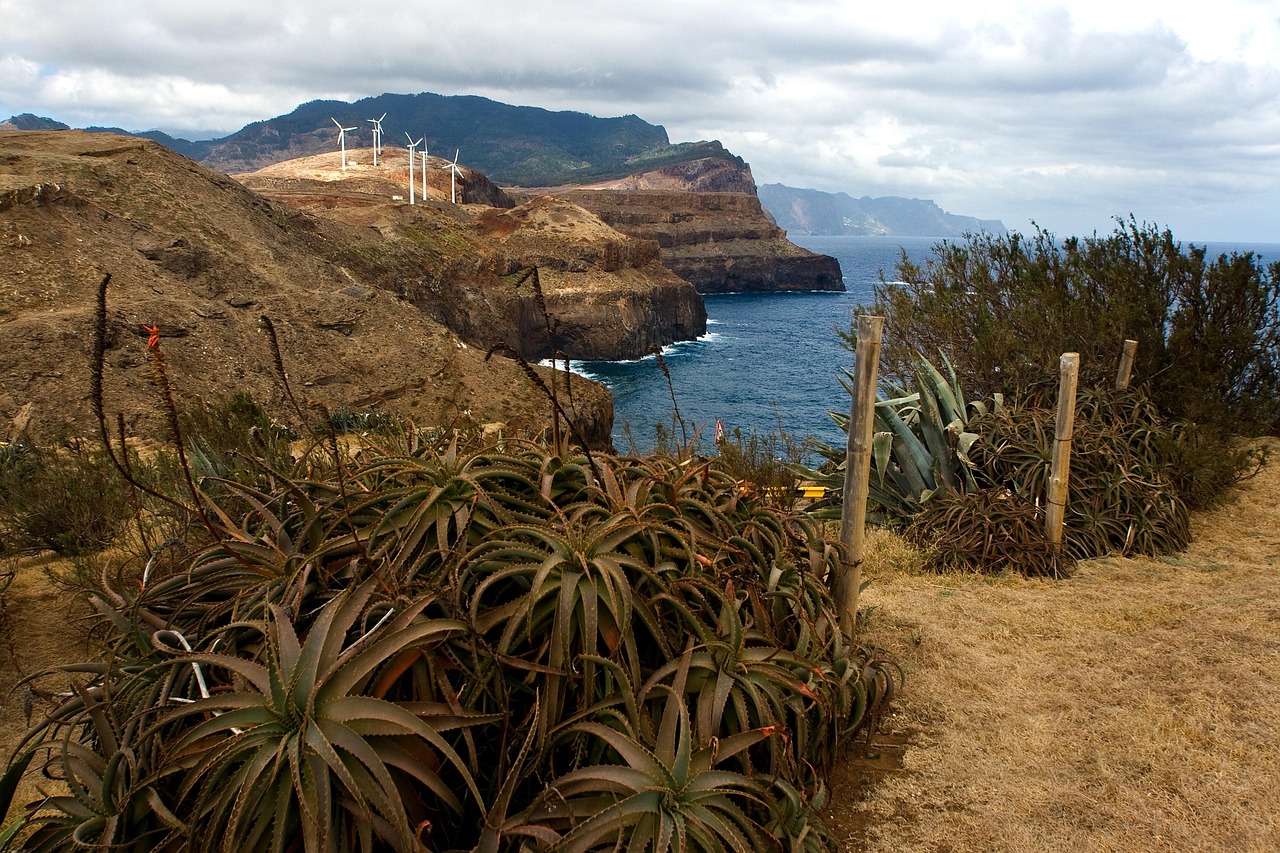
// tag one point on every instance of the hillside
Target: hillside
(360, 297)
(717, 244)
(512, 144)
(804, 211)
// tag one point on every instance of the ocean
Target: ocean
(770, 358)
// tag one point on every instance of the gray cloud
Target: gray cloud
(1027, 112)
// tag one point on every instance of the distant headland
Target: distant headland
(801, 211)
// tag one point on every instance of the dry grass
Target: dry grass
(1135, 706)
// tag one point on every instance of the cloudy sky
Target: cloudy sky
(1063, 114)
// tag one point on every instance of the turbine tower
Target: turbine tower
(453, 176)
(377, 136)
(424, 170)
(412, 145)
(342, 140)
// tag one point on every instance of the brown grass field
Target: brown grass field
(1133, 707)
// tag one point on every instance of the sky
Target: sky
(1062, 116)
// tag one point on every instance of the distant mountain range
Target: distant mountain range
(516, 146)
(534, 147)
(801, 211)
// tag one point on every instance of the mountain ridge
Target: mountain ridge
(809, 211)
(528, 146)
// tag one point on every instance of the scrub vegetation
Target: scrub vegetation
(336, 631)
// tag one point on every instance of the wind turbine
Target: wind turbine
(412, 145)
(377, 136)
(424, 170)
(453, 176)
(342, 140)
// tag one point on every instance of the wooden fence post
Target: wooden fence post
(857, 469)
(1126, 364)
(1060, 472)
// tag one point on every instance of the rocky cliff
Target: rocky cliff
(720, 242)
(202, 259)
(470, 265)
(529, 148)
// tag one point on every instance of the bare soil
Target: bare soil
(1132, 707)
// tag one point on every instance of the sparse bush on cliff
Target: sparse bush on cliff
(67, 499)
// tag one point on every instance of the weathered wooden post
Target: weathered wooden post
(1126, 364)
(857, 469)
(1060, 472)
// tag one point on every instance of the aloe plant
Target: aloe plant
(658, 789)
(452, 648)
(304, 748)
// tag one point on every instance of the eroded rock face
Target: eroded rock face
(471, 267)
(720, 242)
(606, 296)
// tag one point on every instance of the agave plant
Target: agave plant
(921, 446)
(1121, 496)
(112, 798)
(457, 649)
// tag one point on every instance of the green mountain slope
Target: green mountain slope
(526, 146)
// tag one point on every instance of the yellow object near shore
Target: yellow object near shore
(811, 491)
(808, 491)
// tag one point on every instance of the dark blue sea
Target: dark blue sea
(770, 357)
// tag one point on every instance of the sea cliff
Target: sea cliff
(709, 226)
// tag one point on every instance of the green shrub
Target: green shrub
(968, 479)
(765, 461)
(1005, 308)
(990, 530)
(1121, 495)
(67, 499)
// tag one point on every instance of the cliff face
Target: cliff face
(703, 175)
(471, 266)
(202, 259)
(720, 242)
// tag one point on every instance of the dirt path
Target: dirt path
(1133, 707)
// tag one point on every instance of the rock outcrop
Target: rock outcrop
(201, 259)
(599, 293)
(720, 242)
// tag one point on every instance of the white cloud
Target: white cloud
(1018, 110)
